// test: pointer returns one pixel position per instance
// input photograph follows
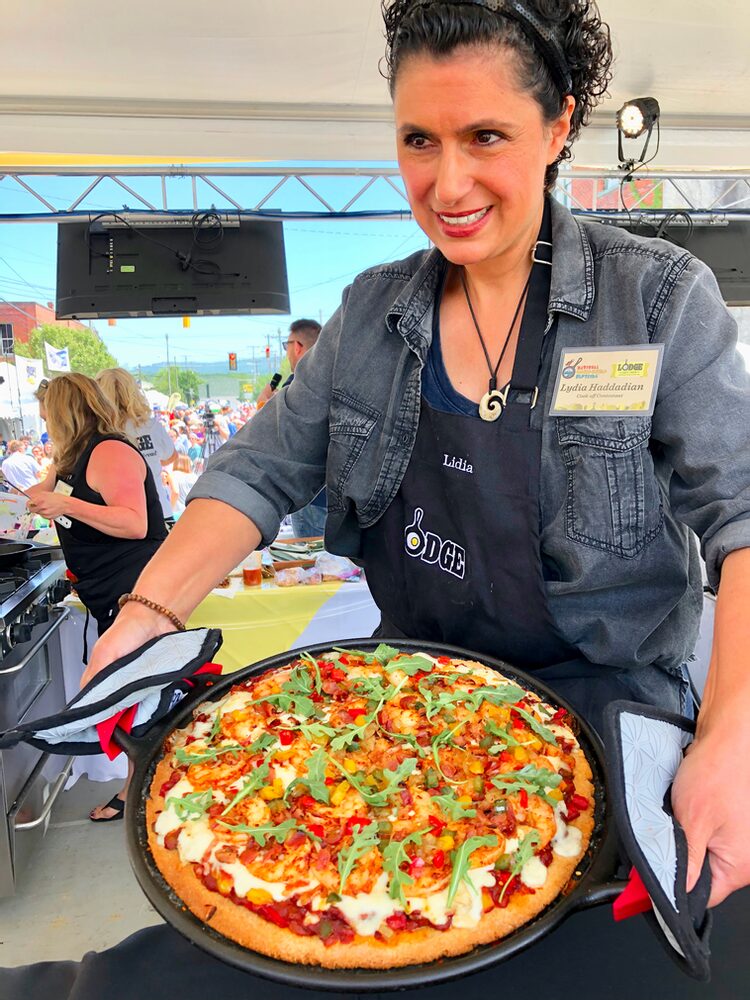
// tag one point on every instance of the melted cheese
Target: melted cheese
(285, 774)
(244, 881)
(534, 874)
(567, 839)
(467, 904)
(367, 911)
(168, 820)
(194, 840)
(236, 702)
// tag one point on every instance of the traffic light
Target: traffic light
(232, 361)
(268, 352)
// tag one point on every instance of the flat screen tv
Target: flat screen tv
(206, 266)
(724, 247)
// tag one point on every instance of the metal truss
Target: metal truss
(158, 193)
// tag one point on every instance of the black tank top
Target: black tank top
(105, 566)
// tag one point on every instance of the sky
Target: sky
(323, 256)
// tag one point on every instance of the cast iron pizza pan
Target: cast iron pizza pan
(594, 882)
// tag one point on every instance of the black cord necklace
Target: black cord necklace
(493, 401)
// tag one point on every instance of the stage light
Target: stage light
(634, 119)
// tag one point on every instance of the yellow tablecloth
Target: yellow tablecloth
(257, 622)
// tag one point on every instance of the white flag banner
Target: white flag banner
(30, 371)
(57, 358)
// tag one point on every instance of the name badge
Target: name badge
(64, 488)
(620, 380)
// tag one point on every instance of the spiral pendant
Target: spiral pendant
(491, 405)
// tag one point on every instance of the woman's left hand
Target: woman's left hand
(711, 801)
(50, 505)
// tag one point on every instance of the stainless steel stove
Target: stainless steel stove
(31, 687)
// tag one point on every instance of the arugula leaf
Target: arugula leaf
(444, 699)
(316, 730)
(367, 657)
(183, 756)
(394, 855)
(253, 783)
(410, 665)
(215, 727)
(279, 832)
(316, 777)
(192, 805)
(461, 863)
(379, 797)
(504, 735)
(347, 736)
(263, 742)
(525, 851)
(535, 780)
(505, 694)
(363, 841)
(384, 653)
(448, 802)
(546, 734)
(444, 737)
(407, 738)
(316, 670)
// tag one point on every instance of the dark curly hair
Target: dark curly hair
(441, 26)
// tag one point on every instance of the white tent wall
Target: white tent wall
(19, 410)
(259, 79)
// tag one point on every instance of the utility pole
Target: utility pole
(169, 371)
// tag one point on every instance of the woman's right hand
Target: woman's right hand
(134, 625)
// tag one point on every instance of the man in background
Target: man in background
(310, 521)
(20, 469)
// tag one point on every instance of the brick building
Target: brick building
(18, 319)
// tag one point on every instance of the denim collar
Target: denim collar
(572, 290)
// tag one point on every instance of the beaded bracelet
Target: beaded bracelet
(139, 599)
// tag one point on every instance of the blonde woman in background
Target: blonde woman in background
(102, 483)
(135, 420)
(181, 481)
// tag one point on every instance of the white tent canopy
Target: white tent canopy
(299, 80)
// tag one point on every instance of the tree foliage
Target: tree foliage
(88, 354)
(183, 380)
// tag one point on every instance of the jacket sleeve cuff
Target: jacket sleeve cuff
(213, 485)
(735, 535)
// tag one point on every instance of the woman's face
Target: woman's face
(473, 149)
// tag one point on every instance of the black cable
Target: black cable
(207, 234)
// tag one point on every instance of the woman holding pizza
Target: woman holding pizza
(489, 509)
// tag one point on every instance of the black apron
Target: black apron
(456, 557)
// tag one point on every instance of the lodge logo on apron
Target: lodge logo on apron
(432, 549)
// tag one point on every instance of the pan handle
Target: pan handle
(600, 894)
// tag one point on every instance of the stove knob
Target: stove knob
(59, 590)
(20, 633)
(40, 613)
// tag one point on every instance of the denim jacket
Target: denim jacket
(621, 498)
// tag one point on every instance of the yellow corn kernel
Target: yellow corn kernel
(476, 767)
(446, 842)
(504, 716)
(535, 744)
(259, 896)
(337, 796)
(224, 883)
(360, 720)
(370, 781)
(283, 754)
(465, 801)
(350, 766)
(519, 754)
(556, 794)
(487, 903)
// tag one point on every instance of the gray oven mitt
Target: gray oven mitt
(154, 677)
(644, 750)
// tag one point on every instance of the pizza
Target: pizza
(371, 809)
